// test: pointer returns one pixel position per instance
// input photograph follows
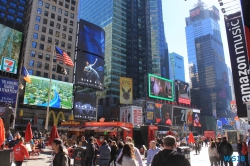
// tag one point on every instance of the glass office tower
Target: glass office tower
(177, 63)
(206, 58)
(128, 44)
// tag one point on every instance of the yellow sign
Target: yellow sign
(56, 118)
(150, 115)
(70, 123)
(126, 90)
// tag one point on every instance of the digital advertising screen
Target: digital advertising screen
(150, 113)
(89, 70)
(189, 117)
(91, 38)
(160, 88)
(84, 106)
(179, 115)
(8, 91)
(10, 45)
(37, 92)
(183, 94)
(196, 118)
(195, 13)
(126, 90)
(163, 114)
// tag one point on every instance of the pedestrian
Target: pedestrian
(61, 153)
(220, 160)
(120, 146)
(20, 152)
(197, 147)
(152, 152)
(226, 151)
(113, 153)
(90, 152)
(206, 142)
(96, 151)
(127, 157)
(239, 148)
(212, 152)
(244, 152)
(105, 151)
(168, 156)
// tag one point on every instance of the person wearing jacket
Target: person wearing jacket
(104, 154)
(244, 152)
(212, 153)
(113, 153)
(239, 148)
(20, 152)
(90, 152)
(152, 152)
(127, 157)
(168, 156)
(224, 143)
(61, 153)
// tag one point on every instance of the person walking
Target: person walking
(168, 156)
(127, 157)
(220, 160)
(152, 152)
(244, 153)
(104, 154)
(90, 152)
(61, 153)
(20, 152)
(239, 148)
(197, 147)
(226, 151)
(213, 155)
(113, 153)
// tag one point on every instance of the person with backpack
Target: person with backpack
(168, 156)
(244, 152)
(225, 151)
(61, 157)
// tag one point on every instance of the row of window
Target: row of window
(46, 75)
(12, 3)
(11, 18)
(44, 29)
(42, 38)
(46, 65)
(47, 57)
(48, 48)
(47, 5)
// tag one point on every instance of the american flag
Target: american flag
(62, 56)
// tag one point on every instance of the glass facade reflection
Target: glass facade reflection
(177, 63)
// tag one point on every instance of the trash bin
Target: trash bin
(79, 156)
(6, 157)
(185, 150)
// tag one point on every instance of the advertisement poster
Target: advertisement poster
(137, 116)
(85, 106)
(36, 93)
(163, 114)
(10, 46)
(150, 113)
(189, 116)
(126, 90)
(89, 70)
(131, 114)
(160, 88)
(8, 91)
(196, 118)
(182, 89)
(91, 38)
(126, 114)
(179, 116)
(219, 125)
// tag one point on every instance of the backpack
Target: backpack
(225, 151)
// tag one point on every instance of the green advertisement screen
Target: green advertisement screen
(160, 88)
(36, 93)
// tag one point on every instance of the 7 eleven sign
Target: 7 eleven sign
(8, 65)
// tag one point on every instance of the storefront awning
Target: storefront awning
(125, 128)
(100, 129)
(76, 128)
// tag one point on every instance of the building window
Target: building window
(21, 8)
(70, 30)
(36, 27)
(30, 71)
(64, 28)
(19, 14)
(62, 44)
(44, 29)
(34, 44)
(72, 8)
(54, 68)
(68, 53)
(60, 78)
(47, 57)
(45, 21)
(63, 35)
(59, 11)
(51, 31)
(56, 41)
(65, 20)
(35, 36)
(66, 79)
(58, 26)
(12, 5)
(48, 48)
(54, 59)
(60, 62)
(71, 15)
(57, 34)
(47, 5)
(45, 75)
(49, 40)
(32, 62)
(46, 66)
(38, 73)
(40, 3)
(55, 1)
(69, 46)
(70, 38)
(71, 23)
(46, 13)
(53, 15)
(39, 64)
(53, 76)
(33, 53)
(53, 8)
(41, 46)
(51, 24)
(60, 3)
(59, 18)
(42, 38)
(11, 11)
(66, 6)
(39, 10)
(66, 13)
(38, 18)
(40, 55)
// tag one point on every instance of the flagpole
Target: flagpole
(49, 95)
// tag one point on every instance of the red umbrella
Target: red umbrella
(191, 138)
(2, 132)
(53, 134)
(28, 133)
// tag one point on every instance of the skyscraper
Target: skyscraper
(206, 56)
(160, 67)
(177, 64)
(127, 45)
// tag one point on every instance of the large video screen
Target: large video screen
(179, 115)
(89, 70)
(196, 118)
(84, 106)
(36, 93)
(182, 89)
(91, 38)
(163, 114)
(8, 91)
(160, 88)
(10, 45)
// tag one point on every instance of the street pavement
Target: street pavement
(44, 159)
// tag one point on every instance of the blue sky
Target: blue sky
(174, 14)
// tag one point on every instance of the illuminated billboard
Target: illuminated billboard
(163, 114)
(160, 88)
(36, 93)
(10, 45)
(126, 90)
(179, 115)
(91, 38)
(195, 13)
(182, 92)
(84, 106)
(89, 70)
(196, 118)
